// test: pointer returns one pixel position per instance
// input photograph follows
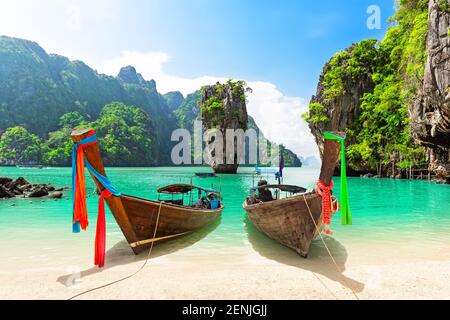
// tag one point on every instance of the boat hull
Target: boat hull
(288, 220)
(139, 221)
(137, 217)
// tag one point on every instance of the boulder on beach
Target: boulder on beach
(5, 193)
(38, 192)
(5, 180)
(21, 181)
(20, 187)
(56, 195)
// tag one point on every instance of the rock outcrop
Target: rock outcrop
(343, 109)
(430, 114)
(174, 99)
(20, 187)
(394, 85)
(223, 107)
(129, 75)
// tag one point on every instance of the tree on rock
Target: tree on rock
(18, 146)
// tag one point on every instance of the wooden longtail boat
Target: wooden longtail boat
(288, 220)
(137, 217)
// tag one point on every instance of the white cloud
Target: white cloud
(63, 27)
(277, 115)
(150, 65)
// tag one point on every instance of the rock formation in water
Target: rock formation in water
(223, 106)
(430, 114)
(21, 188)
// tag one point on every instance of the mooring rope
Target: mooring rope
(328, 250)
(133, 274)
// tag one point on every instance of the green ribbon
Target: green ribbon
(346, 216)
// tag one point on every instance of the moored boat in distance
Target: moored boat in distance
(296, 220)
(145, 222)
(30, 166)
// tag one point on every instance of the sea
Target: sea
(392, 219)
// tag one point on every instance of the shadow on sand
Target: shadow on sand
(121, 253)
(318, 261)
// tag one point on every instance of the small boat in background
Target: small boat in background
(30, 166)
(295, 220)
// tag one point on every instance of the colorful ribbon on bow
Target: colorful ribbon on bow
(325, 192)
(346, 217)
(80, 216)
(100, 235)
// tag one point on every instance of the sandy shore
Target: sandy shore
(263, 271)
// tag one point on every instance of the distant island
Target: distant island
(44, 96)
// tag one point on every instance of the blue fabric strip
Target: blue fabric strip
(102, 179)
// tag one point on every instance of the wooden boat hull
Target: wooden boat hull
(138, 218)
(142, 215)
(288, 221)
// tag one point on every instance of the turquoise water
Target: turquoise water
(385, 213)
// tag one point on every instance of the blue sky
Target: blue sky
(283, 42)
(279, 47)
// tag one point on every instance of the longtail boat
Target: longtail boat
(296, 220)
(143, 222)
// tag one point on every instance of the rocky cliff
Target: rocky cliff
(223, 106)
(338, 110)
(392, 96)
(430, 113)
(174, 99)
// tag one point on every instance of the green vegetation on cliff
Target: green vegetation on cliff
(126, 136)
(43, 97)
(17, 145)
(379, 135)
(212, 109)
(48, 95)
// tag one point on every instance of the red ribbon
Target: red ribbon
(100, 235)
(79, 210)
(325, 192)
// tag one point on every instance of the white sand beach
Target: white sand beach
(260, 269)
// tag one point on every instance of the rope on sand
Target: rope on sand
(328, 250)
(133, 274)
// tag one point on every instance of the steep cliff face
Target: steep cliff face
(223, 106)
(392, 97)
(174, 99)
(430, 113)
(336, 105)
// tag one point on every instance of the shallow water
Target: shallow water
(405, 218)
